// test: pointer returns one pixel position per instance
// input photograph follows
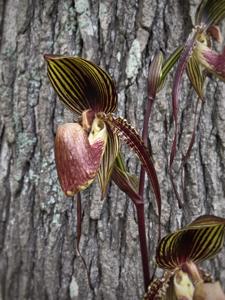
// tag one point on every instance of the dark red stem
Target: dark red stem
(140, 207)
(145, 139)
(143, 243)
(139, 203)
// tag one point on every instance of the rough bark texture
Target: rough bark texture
(38, 258)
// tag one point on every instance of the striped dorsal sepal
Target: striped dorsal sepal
(81, 84)
(196, 242)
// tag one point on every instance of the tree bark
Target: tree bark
(38, 258)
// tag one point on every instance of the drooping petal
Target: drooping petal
(210, 12)
(184, 57)
(186, 54)
(200, 240)
(124, 180)
(211, 60)
(186, 155)
(154, 74)
(78, 156)
(168, 64)
(81, 84)
(196, 75)
(161, 288)
(133, 139)
(108, 160)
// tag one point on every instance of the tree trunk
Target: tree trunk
(38, 231)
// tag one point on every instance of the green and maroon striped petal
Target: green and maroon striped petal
(198, 241)
(108, 160)
(154, 75)
(78, 156)
(124, 180)
(168, 64)
(196, 76)
(133, 139)
(81, 84)
(210, 12)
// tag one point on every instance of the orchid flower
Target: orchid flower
(197, 55)
(179, 253)
(198, 58)
(90, 147)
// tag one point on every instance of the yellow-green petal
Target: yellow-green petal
(108, 160)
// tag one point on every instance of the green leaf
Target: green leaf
(196, 242)
(195, 75)
(108, 160)
(133, 139)
(210, 12)
(168, 65)
(81, 84)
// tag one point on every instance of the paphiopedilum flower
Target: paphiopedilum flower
(211, 60)
(90, 146)
(179, 253)
(197, 58)
(197, 53)
(196, 242)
